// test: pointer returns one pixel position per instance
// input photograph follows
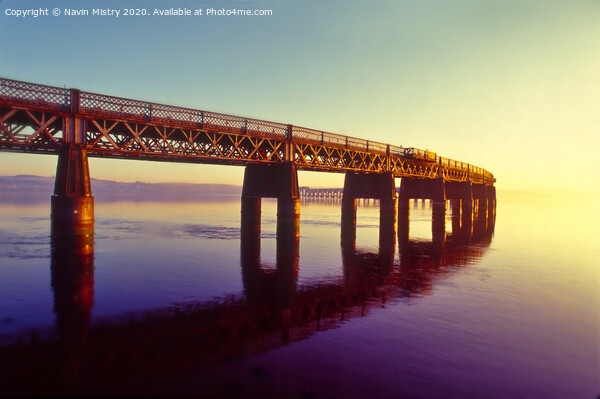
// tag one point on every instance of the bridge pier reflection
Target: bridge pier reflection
(72, 249)
(274, 309)
(264, 287)
(363, 269)
(72, 280)
(73, 288)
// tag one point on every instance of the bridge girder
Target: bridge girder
(35, 118)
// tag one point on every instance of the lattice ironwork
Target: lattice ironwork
(30, 129)
(264, 128)
(48, 97)
(151, 141)
(357, 144)
(306, 135)
(334, 140)
(376, 147)
(224, 123)
(33, 117)
(114, 107)
(317, 157)
(168, 114)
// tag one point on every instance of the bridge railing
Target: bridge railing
(48, 97)
(377, 148)
(92, 104)
(224, 122)
(266, 128)
(306, 135)
(451, 163)
(423, 155)
(312, 136)
(113, 107)
(159, 113)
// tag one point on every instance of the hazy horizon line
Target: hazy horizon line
(514, 190)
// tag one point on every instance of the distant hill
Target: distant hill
(26, 183)
(35, 186)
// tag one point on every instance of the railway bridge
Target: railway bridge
(76, 124)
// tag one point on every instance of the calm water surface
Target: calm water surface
(174, 303)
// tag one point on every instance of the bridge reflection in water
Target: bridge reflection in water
(121, 354)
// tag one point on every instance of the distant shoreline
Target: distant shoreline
(37, 189)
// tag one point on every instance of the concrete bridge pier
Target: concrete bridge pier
(480, 226)
(438, 191)
(455, 207)
(460, 195)
(403, 228)
(438, 225)
(72, 205)
(466, 224)
(455, 215)
(374, 185)
(348, 236)
(491, 196)
(369, 186)
(480, 194)
(404, 197)
(72, 260)
(250, 232)
(461, 200)
(270, 181)
(433, 189)
(491, 223)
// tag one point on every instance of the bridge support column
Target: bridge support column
(480, 225)
(467, 208)
(461, 197)
(491, 197)
(404, 197)
(438, 193)
(251, 209)
(455, 207)
(72, 205)
(377, 186)
(433, 189)
(404, 213)
(480, 194)
(271, 181)
(438, 219)
(438, 226)
(348, 209)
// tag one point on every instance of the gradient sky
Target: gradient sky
(509, 85)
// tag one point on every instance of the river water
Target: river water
(174, 302)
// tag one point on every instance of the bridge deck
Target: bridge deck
(34, 118)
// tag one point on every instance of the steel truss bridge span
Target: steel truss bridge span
(39, 118)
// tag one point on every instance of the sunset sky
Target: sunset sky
(509, 85)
